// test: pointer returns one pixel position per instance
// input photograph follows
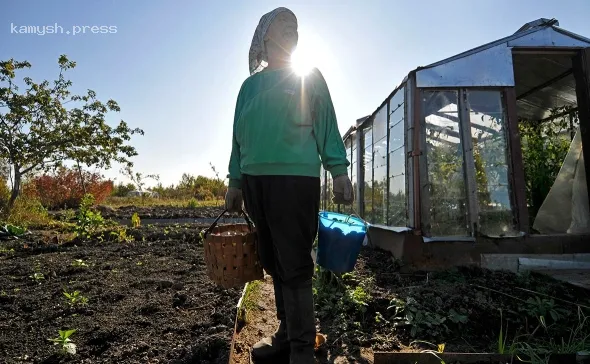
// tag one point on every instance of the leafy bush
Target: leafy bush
(193, 203)
(200, 187)
(88, 221)
(121, 190)
(65, 188)
(204, 194)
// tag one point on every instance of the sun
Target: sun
(301, 62)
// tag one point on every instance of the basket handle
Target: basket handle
(246, 217)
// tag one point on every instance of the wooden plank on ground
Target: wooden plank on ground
(476, 358)
(553, 264)
(577, 277)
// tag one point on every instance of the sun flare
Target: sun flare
(301, 62)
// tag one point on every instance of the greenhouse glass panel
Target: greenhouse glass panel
(397, 206)
(380, 185)
(348, 144)
(380, 124)
(396, 135)
(490, 152)
(397, 213)
(368, 173)
(448, 209)
(397, 100)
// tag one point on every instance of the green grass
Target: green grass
(251, 295)
(249, 302)
(28, 212)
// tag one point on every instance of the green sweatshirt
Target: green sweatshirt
(283, 125)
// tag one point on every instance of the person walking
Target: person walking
(284, 130)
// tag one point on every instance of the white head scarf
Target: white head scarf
(258, 58)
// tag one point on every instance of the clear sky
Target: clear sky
(175, 67)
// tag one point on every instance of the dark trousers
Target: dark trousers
(285, 211)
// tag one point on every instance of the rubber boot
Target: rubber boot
(278, 343)
(299, 309)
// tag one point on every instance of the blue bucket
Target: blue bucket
(340, 238)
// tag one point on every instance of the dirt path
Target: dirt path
(262, 322)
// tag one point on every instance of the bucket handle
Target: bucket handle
(246, 217)
(354, 214)
(357, 216)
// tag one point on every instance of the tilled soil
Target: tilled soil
(162, 212)
(462, 308)
(149, 301)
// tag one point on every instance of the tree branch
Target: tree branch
(44, 164)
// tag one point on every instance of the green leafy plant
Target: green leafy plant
(346, 300)
(79, 263)
(456, 317)
(543, 307)
(122, 236)
(64, 341)
(193, 203)
(135, 220)
(379, 318)
(68, 215)
(76, 298)
(544, 147)
(6, 251)
(410, 312)
(38, 276)
(15, 230)
(88, 221)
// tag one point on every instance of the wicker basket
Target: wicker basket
(232, 259)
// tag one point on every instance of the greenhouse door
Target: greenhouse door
(581, 68)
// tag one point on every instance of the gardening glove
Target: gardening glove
(233, 199)
(343, 194)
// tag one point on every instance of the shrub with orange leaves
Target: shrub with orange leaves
(65, 188)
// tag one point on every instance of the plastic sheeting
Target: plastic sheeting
(566, 209)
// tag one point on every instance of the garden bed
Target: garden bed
(162, 212)
(149, 300)
(463, 310)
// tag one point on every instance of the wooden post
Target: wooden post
(516, 168)
(581, 66)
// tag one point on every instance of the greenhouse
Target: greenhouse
(484, 144)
